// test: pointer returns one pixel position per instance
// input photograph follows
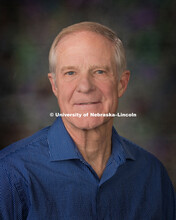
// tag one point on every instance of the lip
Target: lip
(86, 103)
(86, 106)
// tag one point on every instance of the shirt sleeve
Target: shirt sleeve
(168, 198)
(12, 205)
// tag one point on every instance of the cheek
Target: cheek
(110, 94)
(109, 91)
(64, 92)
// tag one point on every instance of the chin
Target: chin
(88, 123)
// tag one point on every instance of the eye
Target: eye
(100, 71)
(70, 73)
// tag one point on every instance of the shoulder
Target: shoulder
(20, 159)
(18, 163)
(18, 148)
(150, 176)
(145, 163)
(138, 153)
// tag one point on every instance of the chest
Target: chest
(79, 195)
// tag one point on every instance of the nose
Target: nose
(85, 84)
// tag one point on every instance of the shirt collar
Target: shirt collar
(62, 146)
(120, 151)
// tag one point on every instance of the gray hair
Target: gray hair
(96, 28)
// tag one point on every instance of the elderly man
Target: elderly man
(80, 168)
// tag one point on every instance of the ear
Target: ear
(123, 82)
(52, 80)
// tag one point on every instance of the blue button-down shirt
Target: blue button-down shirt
(44, 177)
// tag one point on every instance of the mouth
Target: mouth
(87, 106)
(87, 103)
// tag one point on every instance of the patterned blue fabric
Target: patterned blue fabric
(45, 177)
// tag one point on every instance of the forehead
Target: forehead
(84, 39)
(84, 47)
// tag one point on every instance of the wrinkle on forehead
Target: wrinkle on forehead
(89, 36)
(76, 43)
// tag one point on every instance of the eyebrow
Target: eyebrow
(91, 68)
(68, 68)
(99, 67)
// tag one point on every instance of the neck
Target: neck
(93, 144)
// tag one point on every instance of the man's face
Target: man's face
(86, 78)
